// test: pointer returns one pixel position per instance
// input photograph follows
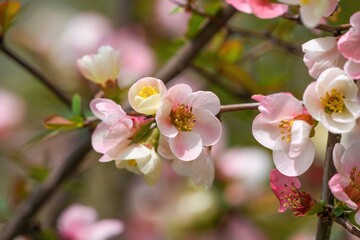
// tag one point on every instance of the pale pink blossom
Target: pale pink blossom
(321, 54)
(101, 67)
(348, 45)
(79, 222)
(344, 185)
(312, 11)
(332, 100)
(286, 189)
(264, 9)
(145, 95)
(188, 120)
(284, 126)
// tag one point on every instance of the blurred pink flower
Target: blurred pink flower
(12, 110)
(188, 120)
(78, 222)
(344, 185)
(264, 9)
(284, 126)
(348, 45)
(286, 189)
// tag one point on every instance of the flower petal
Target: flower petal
(267, 10)
(103, 229)
(186, 145)
(163, 119)
(334, 126)
(348, 44)
(204, 100)
(338, 154)
(203, 170)
(300, 132)
(312, 12)
(352, 69)
(241, 5)
(312, 101)
(207, 126)
(337, 184)
(265, 133)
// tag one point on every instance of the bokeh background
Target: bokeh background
(52, 34)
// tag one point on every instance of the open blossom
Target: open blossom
(311, 11)
(348, 45)
(101, 67)
(79, 222)
(145, 95)
(188, 119)
(284, 126)
(286, 189)
(345, 185)
(264, 9)
(321, 54)
(331, 100)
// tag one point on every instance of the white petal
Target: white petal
(204, 100)
(207, 126)
(265, 133)
(186, 145)
(203, 170)
(312, 12)
(300, 132)
(338, 153)
(133, 152)
(333, 126)
(312, 101)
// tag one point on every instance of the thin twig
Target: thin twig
(348, 226)
(187, 53)
(325, 222)
(43, 192)
(44, 80)
(238, 107)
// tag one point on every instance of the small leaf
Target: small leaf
(8, 11)
(317, 208)
(56, 122)
(39, 173)
(142, 132)
(76, 105)
(338, 211)
(42, 136)
(194, 25)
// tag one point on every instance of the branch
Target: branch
(43, 192)
(348, 226)
(238, 107)
(35, 73)
(187, 53)
(325, 222)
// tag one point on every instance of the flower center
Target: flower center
(297, 201)
(285, 129)
(147, 91)
(182, 118)
(132, 163)
(333, 101)
(353, 189)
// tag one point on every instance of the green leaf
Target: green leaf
(142, 133)
(317, 208)
(338, 211)
(76, 105)
(194, 25)
(39, 173)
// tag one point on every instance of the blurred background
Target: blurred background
(241, 60)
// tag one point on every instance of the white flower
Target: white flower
(145, 95)
(331, 100)
(101, 67)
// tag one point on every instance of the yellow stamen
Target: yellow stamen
(147, 91)
(285, 126)
(182, 118)
(333, 101)
(132, 163)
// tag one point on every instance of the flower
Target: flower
(140, 159)
(321, 54)
(286, 189)
(145, 95)
(264, 9)
(101, 67)
(345, 185)
(284, 126)
(188, 119)
(78, 222)
(331, 100)
(311, 11)
(348, 45)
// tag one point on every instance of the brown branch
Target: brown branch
(44, 80)
(348, 226)
(44, 191)
(325, 221)
(238, 107)
(187, 53)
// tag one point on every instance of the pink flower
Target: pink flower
(345, 184)
(78, 222)
(264, 9)
(188, 119)
(284, 126)
(321, 54)
(286, 189)
(349, 44)
(332, 101)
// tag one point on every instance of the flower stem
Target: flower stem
(325, 221)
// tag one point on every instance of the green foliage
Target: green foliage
(195, 24)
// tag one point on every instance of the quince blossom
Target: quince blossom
(331, 100)
(321, 54)
(286, 189)
(345, 184)
(188, 119)
(78, 222)
(145, 95)
(311, 11)
(349, 44)
(101, 67)
(284, 126)
(263, 9)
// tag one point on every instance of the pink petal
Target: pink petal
(352, 69)
(97, 138)
(264, 132)
(163, 119)
(332, 7)
(241, 5)
(186, 145)
(355, 20)
(351, 158)
(357, 216)
(300, 132)
(264, 9)
(349, 44)
(108, 111)
(164, 148)
(103, 229)
(178, 93)
(337, 184)
(204, 100)
(338, 154)
(292, 166)
(207, 126)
